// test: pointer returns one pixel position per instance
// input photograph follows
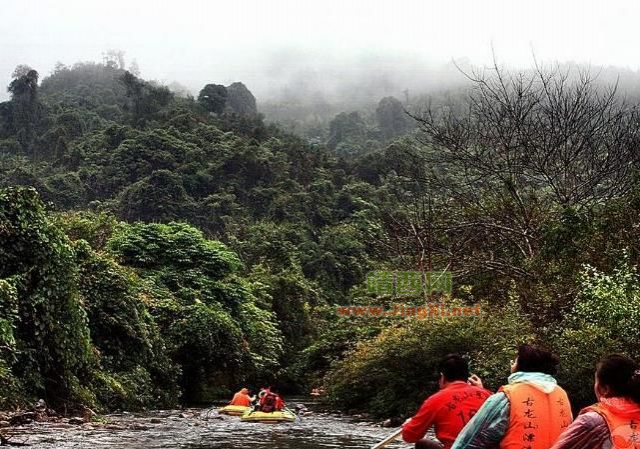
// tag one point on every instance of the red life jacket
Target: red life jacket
(268, 402)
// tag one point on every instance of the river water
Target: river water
(204, 429)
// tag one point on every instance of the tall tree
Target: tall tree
(145, 99)
(346, 126)
(213, 98)
(25, 108)
(392, 119)
(519, 150)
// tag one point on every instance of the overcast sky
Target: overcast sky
(260, 42)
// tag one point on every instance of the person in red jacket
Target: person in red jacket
(449, 409)
(270, 401)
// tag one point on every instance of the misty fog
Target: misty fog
(323, 53)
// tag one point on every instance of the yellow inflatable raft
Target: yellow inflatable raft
(285, 415)
(234, 410)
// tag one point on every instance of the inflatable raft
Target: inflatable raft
(285, 415)
(234, 410)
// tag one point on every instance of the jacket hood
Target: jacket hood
(621, 406)
(543, 382)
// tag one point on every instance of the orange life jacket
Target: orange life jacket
(624, 430)
(536, 418)
(241, 399)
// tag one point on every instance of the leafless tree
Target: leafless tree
(518, 149)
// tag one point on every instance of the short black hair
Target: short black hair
(621, 374)
(454, 367)
(536, 359)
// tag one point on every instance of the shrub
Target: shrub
(392, 373)
(604, 320)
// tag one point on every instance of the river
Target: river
(203, 429)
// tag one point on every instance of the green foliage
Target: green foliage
(347, 128)
(52, 334)
(291, 296)
(165, 319)
(392, 373)
(86, 87)
(8, 321)
(205, 341)
(177, 246)
(8, 317)
(334, 338)
(161, 196)
(611, 302)
(603, 320)
(145, 100)
(300, 221)
(124, 332)
(66, 189)
(26, 110)
(93, 228)
(264, 339)
(211, 321)
(340, 261)
(130, 390)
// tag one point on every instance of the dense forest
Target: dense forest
(160, 248)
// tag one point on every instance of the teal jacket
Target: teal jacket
(487, 428)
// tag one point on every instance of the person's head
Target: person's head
(617, 376)
(244, 391)
(452, 368)
(534, 359)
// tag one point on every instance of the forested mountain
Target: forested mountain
(215, 248)
(100, 145)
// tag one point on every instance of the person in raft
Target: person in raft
(242, 398)
(529, 413)
(614, 422)
(270, 401)
(449, 409)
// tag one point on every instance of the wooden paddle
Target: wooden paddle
(388, 440)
